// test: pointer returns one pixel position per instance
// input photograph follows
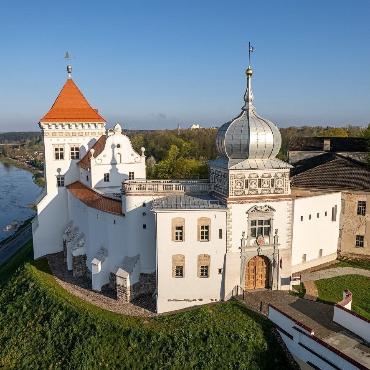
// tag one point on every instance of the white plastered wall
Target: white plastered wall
(319, 232)
(176, 293)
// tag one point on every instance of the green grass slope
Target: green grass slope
(331, 290)
(44, 327)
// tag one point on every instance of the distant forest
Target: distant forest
(184, 153)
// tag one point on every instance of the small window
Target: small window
(144, 213)
(144, 204)
(179, 271)
(118, 146)
(87, 177)
(204, 271)
(326, 213)
(60, 181)
(178, 229)
(179, 233)
(204, 233)
(204, 261)
(320, 252)
(75, 152)
(260, 183)
(334, 213)
(272, 183)
(178, 265)
(301, 218)
(59, 152)
(144, 226)
(360, 241)
(220, 233)
(309, 217)
(304, 258)
(361, 207)
(106, 177)
(220, 271)
(131, 175)
(318, 215)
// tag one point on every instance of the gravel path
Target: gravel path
(333, 272)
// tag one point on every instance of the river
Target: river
(17, 193)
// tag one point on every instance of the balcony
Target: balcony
(166, 187)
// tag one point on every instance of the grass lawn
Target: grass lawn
(45, 327)
(331, 290)
(360, 264)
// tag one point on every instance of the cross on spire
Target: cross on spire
(68, 58)
(250, 51)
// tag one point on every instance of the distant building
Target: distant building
(340, 172)
(195, 126)
(185, 242)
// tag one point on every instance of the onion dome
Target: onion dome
(248, 136)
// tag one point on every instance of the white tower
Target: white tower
(70, 128)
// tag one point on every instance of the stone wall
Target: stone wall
(79, 267)
(353, 224)
(146, 285)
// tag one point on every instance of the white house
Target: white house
(185, 242)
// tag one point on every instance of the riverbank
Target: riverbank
(38, 176)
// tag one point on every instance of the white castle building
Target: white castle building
(185, 242)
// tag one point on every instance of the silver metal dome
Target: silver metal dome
(248, 136)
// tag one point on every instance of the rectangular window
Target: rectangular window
(204, 233)
(179, 233)
(304, 257)
(220, 233)
(260, 227)
(361, 208)
(75, 152)
(60, 181)
(204, 271)
(179, 271)
(309, 217)
(272, 183)
(59, 152)
(106, 177)
(334, 213)
(131, 175)
(320, 252)
(318, 215)
(301, 218)
(260, 183)
(326, 213)
(359, 241)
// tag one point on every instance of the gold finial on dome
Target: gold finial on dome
(249, 71)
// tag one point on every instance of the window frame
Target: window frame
(361, 207)
(59, 152)
(176, 224)
(60, 181)
(131, 175)
(359, 241)
(73, 151)
(178, 260)
(106, 176)
(204, 266)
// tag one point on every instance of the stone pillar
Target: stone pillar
(79, 266)
(122, 290)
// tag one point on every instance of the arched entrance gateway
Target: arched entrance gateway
(257, 273)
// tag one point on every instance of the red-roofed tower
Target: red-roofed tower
(70, 128)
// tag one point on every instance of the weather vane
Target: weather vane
(250, 51)
(68, 57)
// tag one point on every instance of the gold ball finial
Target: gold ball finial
(249, 71)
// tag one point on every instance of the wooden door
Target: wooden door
(257, 273)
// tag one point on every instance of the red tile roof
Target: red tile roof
(98, 148)
(93, 199)
(71, 106)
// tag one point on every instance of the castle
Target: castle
(184, 242)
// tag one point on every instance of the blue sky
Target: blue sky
(155, 64)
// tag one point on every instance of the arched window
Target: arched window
(204, 229)
(204, 265)
(178, 229)
(178, 266)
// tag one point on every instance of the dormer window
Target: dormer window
(106, 177)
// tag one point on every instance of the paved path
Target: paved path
(20, 239)
(333, 272)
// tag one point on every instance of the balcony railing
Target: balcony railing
(166, 186)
